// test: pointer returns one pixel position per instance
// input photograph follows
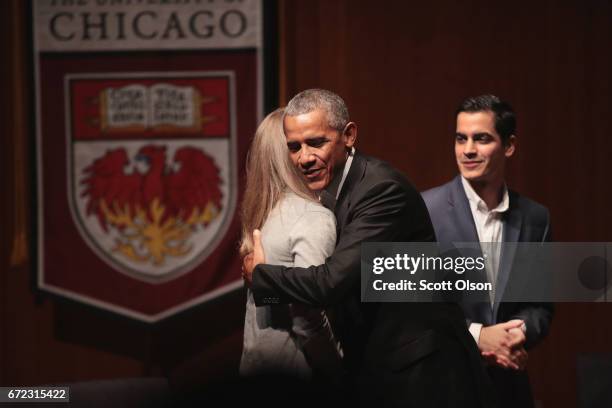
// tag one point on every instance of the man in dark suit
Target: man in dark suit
(400, 354)
(476, 206)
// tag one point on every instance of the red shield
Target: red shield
(151, 180)
(151, 168)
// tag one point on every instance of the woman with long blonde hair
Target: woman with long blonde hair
(296, 231)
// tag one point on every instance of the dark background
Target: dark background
(402, 68)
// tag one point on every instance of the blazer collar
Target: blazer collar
(460, 207)
(353, 177)
(513, 221)
(355, 174)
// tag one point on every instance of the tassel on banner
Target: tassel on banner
(19, 251)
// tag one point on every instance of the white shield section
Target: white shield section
(203, 239)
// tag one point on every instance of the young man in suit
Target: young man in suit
(400, 354)
(477, 206)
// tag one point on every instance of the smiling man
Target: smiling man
(397, 354)
(478, 207)
(319, 147)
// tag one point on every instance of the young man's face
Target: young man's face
(479, 150)
(317, 149)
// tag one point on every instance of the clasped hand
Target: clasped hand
(503, 345)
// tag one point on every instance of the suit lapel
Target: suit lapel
(513, 222)
(354, 176)
(328, 200)
(461, 214)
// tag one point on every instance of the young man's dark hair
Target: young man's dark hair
(505, 119)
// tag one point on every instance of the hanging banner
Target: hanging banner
(144, 113)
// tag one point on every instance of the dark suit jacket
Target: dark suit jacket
(525, 221)
(404, 354)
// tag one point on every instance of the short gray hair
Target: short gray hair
(312, 99)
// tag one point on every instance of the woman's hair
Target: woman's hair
(269, 174)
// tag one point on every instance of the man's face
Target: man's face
(315, 148)
(480, 153)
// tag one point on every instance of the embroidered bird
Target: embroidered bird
(154, 210)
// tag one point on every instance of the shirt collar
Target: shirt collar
(347, 167)
(479, 203)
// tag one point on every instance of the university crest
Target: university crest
(152, 168)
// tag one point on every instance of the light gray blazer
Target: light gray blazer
(298, 232)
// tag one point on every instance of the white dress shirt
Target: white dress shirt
(490, 229)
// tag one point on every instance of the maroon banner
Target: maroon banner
(139, 156)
